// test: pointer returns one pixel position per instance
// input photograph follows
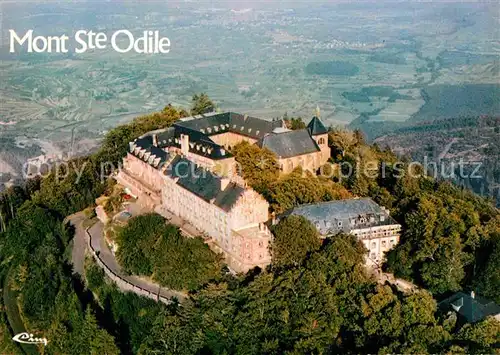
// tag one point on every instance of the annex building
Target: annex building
(188, 170)
(371, 223)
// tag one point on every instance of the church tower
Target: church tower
(319, 133)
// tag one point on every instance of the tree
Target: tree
(115, 144)
(201, 104)
(294, 238)
(294, 123)
(259, 167)
(488, 282)
(480, 338)
(341, 140)
(301, 187)
(150, 247)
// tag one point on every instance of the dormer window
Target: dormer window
(216, 129)
(339, 223)
(234, 126)
(257, 133)
(209, 130)
(249, 130)
(202, 130)
(242, 128)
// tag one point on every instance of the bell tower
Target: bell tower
(319, 133)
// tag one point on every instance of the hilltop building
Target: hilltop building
(371, 223)
(187, 170)
(470, 308)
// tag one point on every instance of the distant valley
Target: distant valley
(387, 67)
(445, 144)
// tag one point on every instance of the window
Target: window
(339, 223)
(393, 241)
(373, 256)
(261, 244)
(384, 243)
(374, 245)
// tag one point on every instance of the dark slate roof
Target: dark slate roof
(316, 127)
(203, 183)
(344, 215)
(200, 128)
(251, 126)
(165, 137)
(471, 309)
(200, 143)
(230, 122)
(146, 143)
(159, 153)
(221, 121)
(289, 144)
(227, 198)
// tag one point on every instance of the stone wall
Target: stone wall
(312, 162)
(123, 284)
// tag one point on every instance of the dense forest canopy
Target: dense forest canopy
(316, 299)
(150, 247)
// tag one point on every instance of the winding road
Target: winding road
(96, 236)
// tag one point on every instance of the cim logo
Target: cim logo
(27, 338)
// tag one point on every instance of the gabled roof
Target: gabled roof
(472, 309)
(148, 150)
(289, 144)
(203, 183)
(230, 122)
(251, 126)
(334, 217)
(316, 127)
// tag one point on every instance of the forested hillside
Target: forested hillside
(446, 144)
(316, 299)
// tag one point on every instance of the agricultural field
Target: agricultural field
(389, 63)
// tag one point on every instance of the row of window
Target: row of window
(384, 243)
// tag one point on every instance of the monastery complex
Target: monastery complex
(188, 170)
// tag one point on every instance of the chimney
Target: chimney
(224, 182)
(184, 144)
